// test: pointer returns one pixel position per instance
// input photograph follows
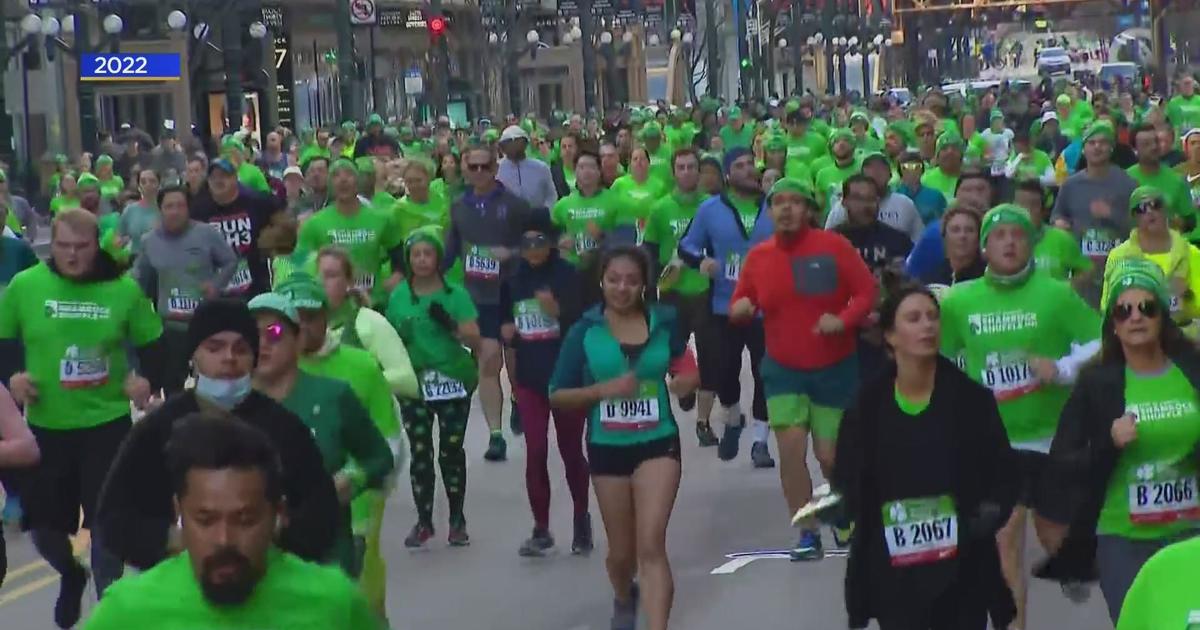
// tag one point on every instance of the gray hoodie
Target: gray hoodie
(173, 268)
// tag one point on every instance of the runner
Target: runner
(136, 503)
(1055, 251)
(317, 194)
(539, 301)
(723, 231)
(485, 236)
(231, 574)
(1161, 593)
(18, 449)
(435, 319)
(963, 260)
(375, 143)
(526, 178)
(930, 203)
(809, 371)
(1023, 335)
(893, 209)
(183, 262)
(974, 193)
(1135, 415)
(1151, 171)
(843, 162)
(80, 313)
(141, 216)
(614, 365)
(927, 492)
(583, 217)
(944, 177)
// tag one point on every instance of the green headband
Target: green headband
(104, 159)
(947, 140)
(428, 234)
(1135, 273)
(87, 180)
(1005, 214)
(343, 163)
(1101, 129)
(792, 185)
(840, 134)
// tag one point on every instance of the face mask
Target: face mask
(224, 393)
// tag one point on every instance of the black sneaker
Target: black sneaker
(419, 535)
(727, 450)
(581, 543)
(624, 615)
(514, 419)
(761, 455)
(497, 450)
(69, 606)
(537, 545)
(687, 403)
(458, 536)
(705, 435)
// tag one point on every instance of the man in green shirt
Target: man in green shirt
(738, 130)
(1183, 110)
(829, 179)
(1150, 171)
(76, 314)
(804, 144)
(944, 176)
(230, 575)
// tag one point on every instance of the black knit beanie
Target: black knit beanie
(222, 315)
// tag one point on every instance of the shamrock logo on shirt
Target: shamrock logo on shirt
(1145, 472)
(898, 513)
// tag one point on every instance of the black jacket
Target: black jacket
(984, 493)
(536, 358)
(135, 509)
(1082, 458)
(560, 179)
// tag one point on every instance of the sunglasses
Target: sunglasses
(1124, 310)
(1148, 205)
(475, 168)
(273, 333)
(912, 166)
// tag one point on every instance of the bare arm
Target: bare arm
(18, 448)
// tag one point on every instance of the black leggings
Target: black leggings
(732, 339)
(953, 610)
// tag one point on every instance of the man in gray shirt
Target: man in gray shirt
(182, 263)
(1093, 204)
(895, 209)
(525, 177)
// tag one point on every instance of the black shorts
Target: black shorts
(1030, 467)
(620, 461)
(489, 320)
(695, 315)
(70, 474)
(731, 340)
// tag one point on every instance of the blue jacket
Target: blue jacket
(928, 253)
(539, 348)
(717, 232)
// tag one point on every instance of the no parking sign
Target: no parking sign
(362, 12)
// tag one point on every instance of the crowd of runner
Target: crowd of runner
(981, 311)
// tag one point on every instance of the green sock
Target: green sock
(499, 432)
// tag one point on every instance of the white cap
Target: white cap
(292, 170)
(513, 132)
(1048, 116)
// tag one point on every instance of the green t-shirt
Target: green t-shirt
(252, 177)
(410, 214)
(660, 167)
(574, 212)
(383, 201)
(635, 201)
(1184, 112)
(111, 187)
(747, 209)
(734, 138)
(1058, 254)
(79, 331)
(999, 328)
(1152, 489)
(448, 192)
(1164, 593)
(910, 407)
(940, 181)
(292, 594)
(669, 220)
(62, 202)
(431, 348)
(358, 369)
(1032, 165)
(1174, 187)
(682, 136)
(367, 236)
(829, 181)
(805, 148)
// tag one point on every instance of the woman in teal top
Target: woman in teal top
(615, 363)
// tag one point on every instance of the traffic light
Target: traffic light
(437, 27)
(745, 62)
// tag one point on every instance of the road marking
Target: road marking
(27, 589)
(742, 558)
(32, 566)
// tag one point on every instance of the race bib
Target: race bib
(1008, 377)
(480, 264)
(733, 267)
(1176, 304)
(1096, 244)
(436, 386)
(920, 531)
(997, 169)
(641, 231)
(241, 280)
(181, 306)
(532, 322)
(584, 243)
(80, 369)
(632, 414)
(364, 281)
(1160, 493)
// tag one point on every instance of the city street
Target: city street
(723, 508)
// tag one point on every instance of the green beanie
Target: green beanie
(1005, 213)
(775, 142)
(735, 112)
(904, 130)
(342, 163)
(374, 119)
(311, 153)
(304, 291)
(860, 117)
(87, 180)
(426, 234)
(792, 185)
(840, 133)
(949, 139)
(365, 164)
(104, 159)
(1130, 273)
(651, 130)
(1144, 193)
(1099, 129)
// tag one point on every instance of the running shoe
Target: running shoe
(727, 450)
(842, 532)
(761, 455)
(705, 435)
(624, 615)
(537, 545)
(497, 450)
(419, 535)
(687, 403)
(69, 605)
(808, 548)
(581, 543)
(514, 419)
(11, 516)
(458, 536)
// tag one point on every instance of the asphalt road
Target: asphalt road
(723, 508)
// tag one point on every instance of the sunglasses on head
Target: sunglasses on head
(1122, 311)
(1148, 205)
(273, 332)
(479, 167)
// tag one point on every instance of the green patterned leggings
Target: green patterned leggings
(452, 416)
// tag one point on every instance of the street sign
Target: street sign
(414, 85)
(362, 12)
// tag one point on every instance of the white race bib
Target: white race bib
(632, 414)
(241, 280)
(584, 243)
(1009, 380)
(532, 322)
(75, 373)
(181, 306)
(436, 386)
(364, 281)
(733, 267)
(1159, 493)
(481, 265)
(920, 531)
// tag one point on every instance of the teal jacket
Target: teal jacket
(590, 354)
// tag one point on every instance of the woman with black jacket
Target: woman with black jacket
(924, 468)
(1125, 453)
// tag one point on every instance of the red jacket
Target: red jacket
(792, 283)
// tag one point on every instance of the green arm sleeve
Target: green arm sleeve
(364, 443)
(381, 340)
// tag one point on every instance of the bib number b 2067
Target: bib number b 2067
(920, 531)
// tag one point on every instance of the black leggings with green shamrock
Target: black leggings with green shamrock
(418, 422)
